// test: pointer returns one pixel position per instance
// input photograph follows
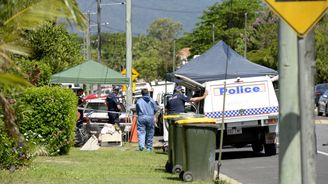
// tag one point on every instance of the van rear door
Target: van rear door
(245, 98)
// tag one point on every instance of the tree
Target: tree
(147, 60)
(36, 72)
(227, 18)
(148, 68)
(32, 17)
(154, 51)
(321, 45)
(112, 50)
(12, 43)
(11, 7)
(263, 39)
(54, 46)
(165, 31)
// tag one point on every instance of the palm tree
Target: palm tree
(12, 43)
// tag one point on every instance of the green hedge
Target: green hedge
(51, 113)
(14, 153)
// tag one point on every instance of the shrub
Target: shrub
(14, 153)
(37, 73)
(51, 113)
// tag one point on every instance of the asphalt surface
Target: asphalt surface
(243, 166)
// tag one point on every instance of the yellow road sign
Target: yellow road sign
(301, 15)
(134, 72)
(134, 86)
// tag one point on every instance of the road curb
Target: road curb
(228, 179)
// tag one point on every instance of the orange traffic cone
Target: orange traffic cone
(134, 134)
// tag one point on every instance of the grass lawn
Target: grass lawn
(117, 165)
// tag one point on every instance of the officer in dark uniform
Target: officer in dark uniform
(80, 106)
(113, 105)
(176, 103)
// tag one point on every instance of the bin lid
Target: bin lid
(184, 116)
(172, 116)
(197, 121)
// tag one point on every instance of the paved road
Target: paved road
(249, 168)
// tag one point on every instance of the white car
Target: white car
(96, 111)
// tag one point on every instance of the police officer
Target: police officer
(113, 105)
(80, 106)
(176, 103)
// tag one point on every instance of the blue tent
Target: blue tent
(212, 66)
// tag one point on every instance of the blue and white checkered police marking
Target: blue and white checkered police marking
(243, 112)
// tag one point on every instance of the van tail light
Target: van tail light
(271, 121)
(317, 93)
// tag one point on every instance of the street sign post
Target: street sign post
(301, 15)
(297, 149)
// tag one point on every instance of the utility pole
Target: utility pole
(88, 37)
(84, 49)
(128, 53)
(296, 125)
(99, 40)
(213, 34)
(289, 115)
(245, 36)
(174, 56)
(99, 29)
(306, 63)
(297, 148)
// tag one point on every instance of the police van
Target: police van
(248, 108)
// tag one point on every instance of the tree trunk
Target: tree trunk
(9, 119)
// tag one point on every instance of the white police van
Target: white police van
(250, 111)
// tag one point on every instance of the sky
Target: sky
(144, 12)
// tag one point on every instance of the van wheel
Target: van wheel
(257, 147)
(326, 111)
(270, 149)
(319, 113)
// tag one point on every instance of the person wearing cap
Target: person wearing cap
(113, 106)
(80, 106)
(176, 103)
(146, 109)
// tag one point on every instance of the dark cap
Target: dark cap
(116, 88)
(178, 88)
